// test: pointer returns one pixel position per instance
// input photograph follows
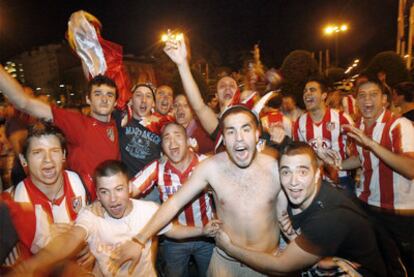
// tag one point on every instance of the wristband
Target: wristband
(134, 239)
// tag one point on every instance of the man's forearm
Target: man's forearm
(205, 114)
(16, 95)
(183, 232)
(260, 261)
(399, 163)
(12, 89)
(351, 163)
(161, 218)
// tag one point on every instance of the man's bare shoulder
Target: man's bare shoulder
(217, 158)
(267, 161)
(212, 166)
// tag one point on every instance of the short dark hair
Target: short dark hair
(100, 80)
(164, 127)
(239, 109)
(299, 148)
(110, 168)
(323, 84)
(406, 89)
(372, 80)
(40, 129)
(149, 86)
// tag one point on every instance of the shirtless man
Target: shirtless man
(245, 186)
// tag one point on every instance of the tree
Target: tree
(391, 64)
(296, 68)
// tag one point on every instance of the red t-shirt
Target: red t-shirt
(89, 141)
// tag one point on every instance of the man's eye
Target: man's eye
(284, 172)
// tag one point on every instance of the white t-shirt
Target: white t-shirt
(105, 234)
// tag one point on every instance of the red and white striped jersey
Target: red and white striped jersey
(169, 181)
(329, 131)
(380, 185)
(349, 104)
(33, 213)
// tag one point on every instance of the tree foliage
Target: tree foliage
(390, 63)
(296, 68)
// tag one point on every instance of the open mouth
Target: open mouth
(115, 209)
(228, 95)
(309, 100)
(180, 116)
(241, 152)
(164, 104)
(368, 108)
(174, 151)
(295, 193)
(143, 108)
(49, 172)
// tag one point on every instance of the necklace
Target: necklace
(56, 194)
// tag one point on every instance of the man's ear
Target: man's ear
(317, 175)
(324, 96)
(88, 101)
(23, 161)
(130, 188)
(384, 99)
(64, 154)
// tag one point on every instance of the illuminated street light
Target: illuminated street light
(172, 36)
(335, 29)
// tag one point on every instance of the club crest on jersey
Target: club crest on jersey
(76, 204)
(330, 126)
(110, 134)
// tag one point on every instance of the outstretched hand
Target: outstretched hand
(331, 157)
(176, 50)
(128, 251)
(283, 219)
(359, 136)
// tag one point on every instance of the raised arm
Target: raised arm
(177, 51)
(23, 102)
(293, 258)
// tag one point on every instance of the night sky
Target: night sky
(280, 26)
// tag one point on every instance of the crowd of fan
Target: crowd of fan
(219, 169)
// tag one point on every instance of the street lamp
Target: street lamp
(335, 30)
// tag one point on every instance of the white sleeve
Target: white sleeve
(402, 134)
